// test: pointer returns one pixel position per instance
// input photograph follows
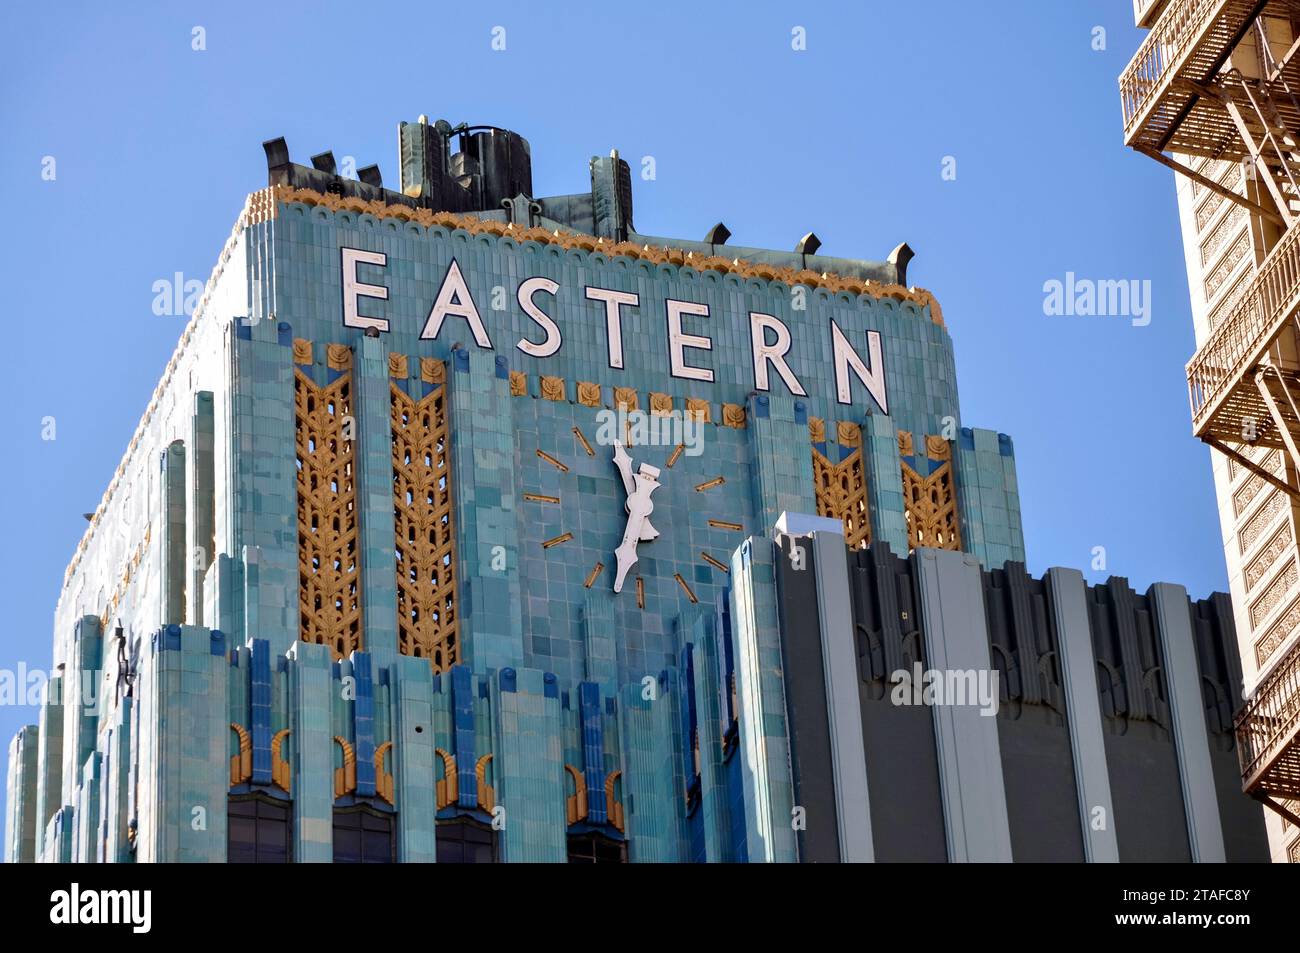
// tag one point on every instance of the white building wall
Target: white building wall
(1258, 522)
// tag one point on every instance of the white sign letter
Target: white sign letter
(454, 299)
(679, 341)
(774, 352)
(526, 292)
(846, 357)
(353, 289)
(613, 325)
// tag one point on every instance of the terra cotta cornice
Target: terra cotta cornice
(263, 206)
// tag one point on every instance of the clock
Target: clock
(637, 502)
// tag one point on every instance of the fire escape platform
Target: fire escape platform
(1227, 402)
(1161, 89)
(1268, 733)
(1241, 410)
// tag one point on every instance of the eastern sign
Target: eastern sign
(770, 338)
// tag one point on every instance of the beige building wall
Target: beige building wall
(1223, 244)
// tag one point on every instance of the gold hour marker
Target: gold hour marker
(723, 524)
(677, 452)
(562, 538)
(540, 498)
(582, 439)
(640, 593)
(591, 576)
(715, 563)
(709, 484)
(552, 461)
(685, 588)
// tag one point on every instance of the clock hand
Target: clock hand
(624, 464)
(626, 555)
(649, 475)
(626, 552)
(639, 507)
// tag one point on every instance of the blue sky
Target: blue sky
(157, 145)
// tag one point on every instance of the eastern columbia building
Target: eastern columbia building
(467, 524)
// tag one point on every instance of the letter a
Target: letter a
(454, 299)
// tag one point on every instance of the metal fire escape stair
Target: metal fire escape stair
(1268, 738)
(1185, 95)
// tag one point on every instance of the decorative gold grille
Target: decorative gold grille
(841, 488)
(930, 502)
(329, 578)
(427, 622)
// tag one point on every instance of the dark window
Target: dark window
(257, 831)
(462, 840)
(363, 836)
(593, 848)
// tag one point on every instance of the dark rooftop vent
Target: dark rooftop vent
(324, 163)
(277, 152)
(718, 235)
(808, 245)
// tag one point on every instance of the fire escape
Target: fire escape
(1207, 82)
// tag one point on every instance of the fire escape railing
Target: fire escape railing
(1159, 60)
(1236, 344)
(1192, 90)
(1266, 731)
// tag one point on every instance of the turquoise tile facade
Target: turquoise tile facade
(989, 497)
(20, 802)
(760, 697)
(574, 710)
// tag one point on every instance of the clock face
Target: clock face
(641, 507)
